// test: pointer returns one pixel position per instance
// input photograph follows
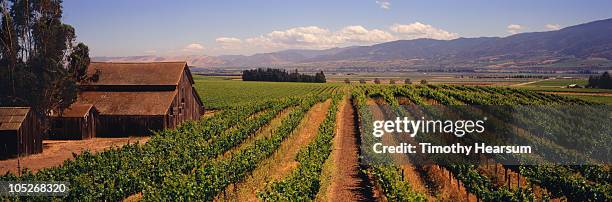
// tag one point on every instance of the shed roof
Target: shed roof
(129, 103)
(150, 73)
(11, 118)
(76, 110)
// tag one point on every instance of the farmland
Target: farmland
(223, 92)
(280, 141)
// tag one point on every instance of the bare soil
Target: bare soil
(348, 183)
(211, 112)
(530, 82)
(282, 162)
(55, 152)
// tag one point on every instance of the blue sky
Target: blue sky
(193, 27)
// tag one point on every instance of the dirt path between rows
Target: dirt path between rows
(347, 183)
(55, 152)
(282, 162)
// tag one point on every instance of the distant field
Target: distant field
(559, 85)
(219, 92)
(559, 82)
(222, 92)
(593, 98)
(432, 78)
(572, 63)
(577, 90)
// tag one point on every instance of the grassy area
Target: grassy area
(222, 92)
(559, 89)
(558, 85)
(559, 82)
(593, 98)
(219, 92)
(572, 63)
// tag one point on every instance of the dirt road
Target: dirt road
(55, 152)
(348, 184)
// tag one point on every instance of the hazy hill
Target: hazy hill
(571, 45)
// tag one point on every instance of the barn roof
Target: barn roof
(11, 118)
(76, 110)
(129, 103)
(150, 73)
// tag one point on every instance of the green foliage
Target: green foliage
(574, 182)
(393, 184)
(34, 54)
(212, 177)
(304, 182)
(192, 162)
(407, 81)
(220, 93)
(117, 173)
(79, 60)
(603, 81)
(280, 75)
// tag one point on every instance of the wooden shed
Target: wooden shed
(137, 98)
(78, 122)
(19, 132)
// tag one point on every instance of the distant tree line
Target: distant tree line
(603, 81)
(280, 75)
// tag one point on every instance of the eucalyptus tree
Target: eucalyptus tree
(40, 61)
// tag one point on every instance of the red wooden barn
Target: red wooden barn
(19, 132)
(136, 98)
(77, 122)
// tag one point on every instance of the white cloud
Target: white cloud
(552, 26)
(419, 30)
(194, 47)
(358, 33)
(314, 37)
(150, 52)
(514, 28)
(229, 42)
(384, 4)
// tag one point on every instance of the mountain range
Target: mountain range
(584, 45)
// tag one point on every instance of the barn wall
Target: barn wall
(8, 144)
(184, 107)
(63, 128)
(26, 140)
(123, 126)
(31, 136)
(74, 128)
(92, 122)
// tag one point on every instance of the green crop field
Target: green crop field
(244, 144)
(559, 82)
(593, 98)
(560, 85)
(223, 92)
(559, 89)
